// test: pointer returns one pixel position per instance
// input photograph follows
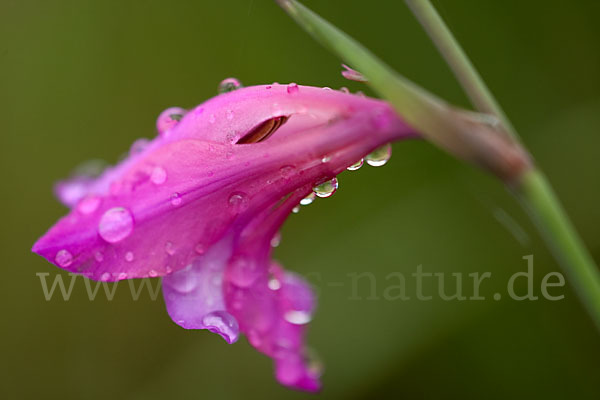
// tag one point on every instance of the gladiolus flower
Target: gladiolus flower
(199, 205)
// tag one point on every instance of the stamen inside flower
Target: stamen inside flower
(263, 130)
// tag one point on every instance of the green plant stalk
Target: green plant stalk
(533, 189)
(431, 115)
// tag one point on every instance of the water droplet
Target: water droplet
(296, 209)
(129, 256)
(379, 156)
(238, 202)
(64, 258)
(183, 281)
(243, 272)
(287, 171)
(327, 188)
(89, 204)
(293, 88)
(138, 146)
(276, 240)
(170, 248)
(176, 199)
(115, 225)
(352, 74)
(325, 159)
(200, 248)
(326, 88)
(274, 284)
(308, 199)
(222, 323)
(122, 275)
(152, 273)
(356, 165)
(212, 119)
(229, 85)
(158, 175)
(297, 317)
(229, 115)
(105, 276)
(344, 89)
(98, 256)
(168, 119)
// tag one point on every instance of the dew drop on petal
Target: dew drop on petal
(326, 88)
(293, 88)
(379, 156)
(89, 204)
(223, 323)
(238, 202)
(356, 165)
(296, 209)
(138, 146)
(212, 119)
(152, 273)
(170, 248)
(325, 159)
(182, 281)
(98, 256)
(105, 276)
(327, 188)
(122, 275)
(344, 89)
(229, 115)
(276, 240)
(63, 258)
(308, 199)
(115, 224)
(158, 175)
(168, 119)
(129, 256)
(175, 199)
(287, 171)
(229, 85)
(274, 284)
(297, 317)
(242, 272)
(199, 248)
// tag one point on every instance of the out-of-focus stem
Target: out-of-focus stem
(467, 135)
(532, 188)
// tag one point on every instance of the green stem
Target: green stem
(533, 188)
(466, 136)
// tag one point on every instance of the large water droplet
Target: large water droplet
(296, 209)
(327, 188)
(176, 199)
(293, 88)
(229, 85)
(308, 199)
(238, 202)
(379, 156)
(223, 323)
(115, 225)
(158, 175)
(356, 165)
(297, 317)
(89, 204)
(274, 284)
(64, 258)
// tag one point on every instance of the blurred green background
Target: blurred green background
(83, 79)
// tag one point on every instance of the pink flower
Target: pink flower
(200, 204)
